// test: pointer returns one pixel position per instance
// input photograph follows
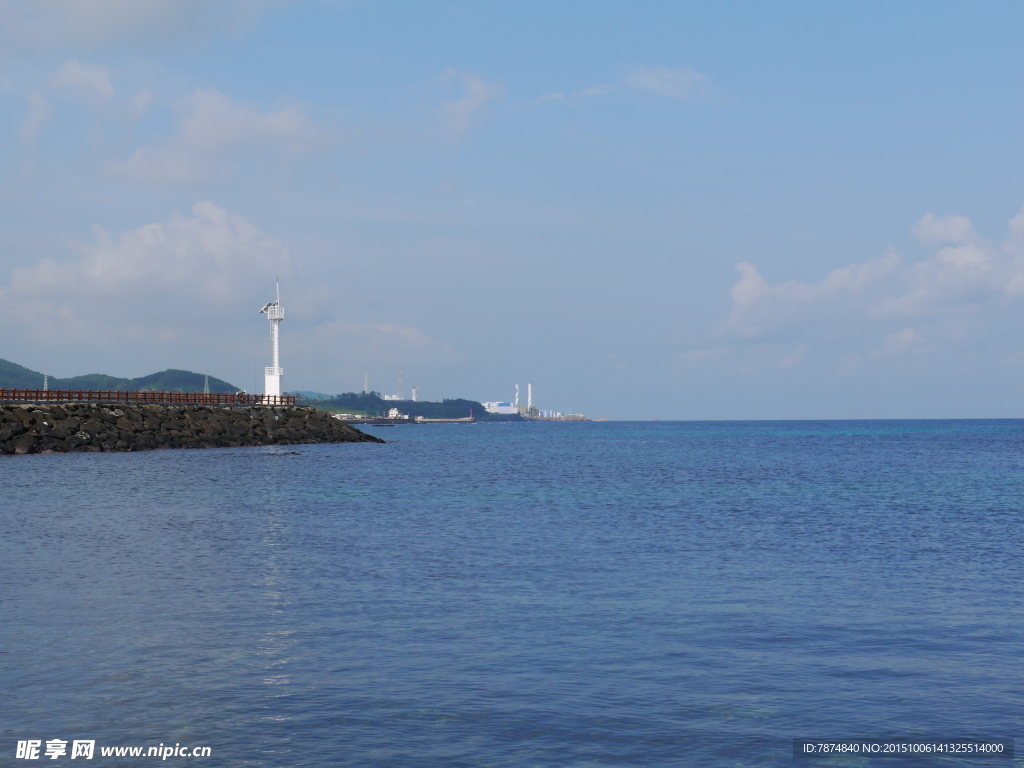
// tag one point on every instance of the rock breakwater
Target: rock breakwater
(78, 427)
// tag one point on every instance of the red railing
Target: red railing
(113, 396)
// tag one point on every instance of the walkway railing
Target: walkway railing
(114, 396)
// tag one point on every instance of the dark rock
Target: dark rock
(23, 415)
(94, 426)
(78, 427)
(26, 444)
(12, 430)
(77, 439)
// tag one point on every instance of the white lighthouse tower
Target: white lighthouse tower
(273, 373)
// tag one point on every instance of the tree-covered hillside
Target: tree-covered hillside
(176, 380)
(372, 404)
(14, 376)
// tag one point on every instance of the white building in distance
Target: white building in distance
(504, 408)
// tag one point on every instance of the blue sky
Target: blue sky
(658, 210)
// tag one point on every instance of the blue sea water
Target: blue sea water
(579, 594)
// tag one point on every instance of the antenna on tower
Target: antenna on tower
(206, 384)
(46, 382)
(366, 383)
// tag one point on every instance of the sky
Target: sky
(667, 210)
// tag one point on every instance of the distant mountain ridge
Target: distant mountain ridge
(14, 376)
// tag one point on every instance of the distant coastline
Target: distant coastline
(373, 405)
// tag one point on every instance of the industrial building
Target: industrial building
(531, 411)
(502, 408)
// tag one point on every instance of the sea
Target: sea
(521, 594)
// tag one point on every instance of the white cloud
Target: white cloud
(934, 230)
(47, 24)
(600, 89)
(748, 360)
(138, 105)
(792, 359)
(39, 112)
(188, 289)
(699, 356)
(848, 363)
(901, 342)
(373, 343)
(87, 82)
(751, 286)
(76, 80)
(148, 282)
(1014, 359)
(880, 308)
(682, 83)
(90, 84)
(553, 96)
(595, 90)
(214, 131)
(761, 310)
(965, 275)
(460, 113)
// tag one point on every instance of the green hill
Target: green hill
(14, 376)
(175, 380)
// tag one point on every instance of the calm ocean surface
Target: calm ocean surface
(596, 594)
